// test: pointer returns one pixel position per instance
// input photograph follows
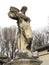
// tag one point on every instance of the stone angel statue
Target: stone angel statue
(24, 35)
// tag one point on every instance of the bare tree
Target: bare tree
(5, 39)
(12, 33)
(9, 42)
(38, 40)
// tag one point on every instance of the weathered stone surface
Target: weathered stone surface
(24, 35)
(25, 62)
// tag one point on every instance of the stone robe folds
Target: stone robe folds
(24, 35)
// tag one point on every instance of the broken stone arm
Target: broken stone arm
(14, 14)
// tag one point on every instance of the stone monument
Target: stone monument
(24, 38)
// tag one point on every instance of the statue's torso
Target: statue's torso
(24, 34)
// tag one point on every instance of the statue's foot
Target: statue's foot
(29, 54)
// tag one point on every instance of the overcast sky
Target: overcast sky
(38, 11)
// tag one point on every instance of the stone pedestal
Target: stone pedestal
(25, 62)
